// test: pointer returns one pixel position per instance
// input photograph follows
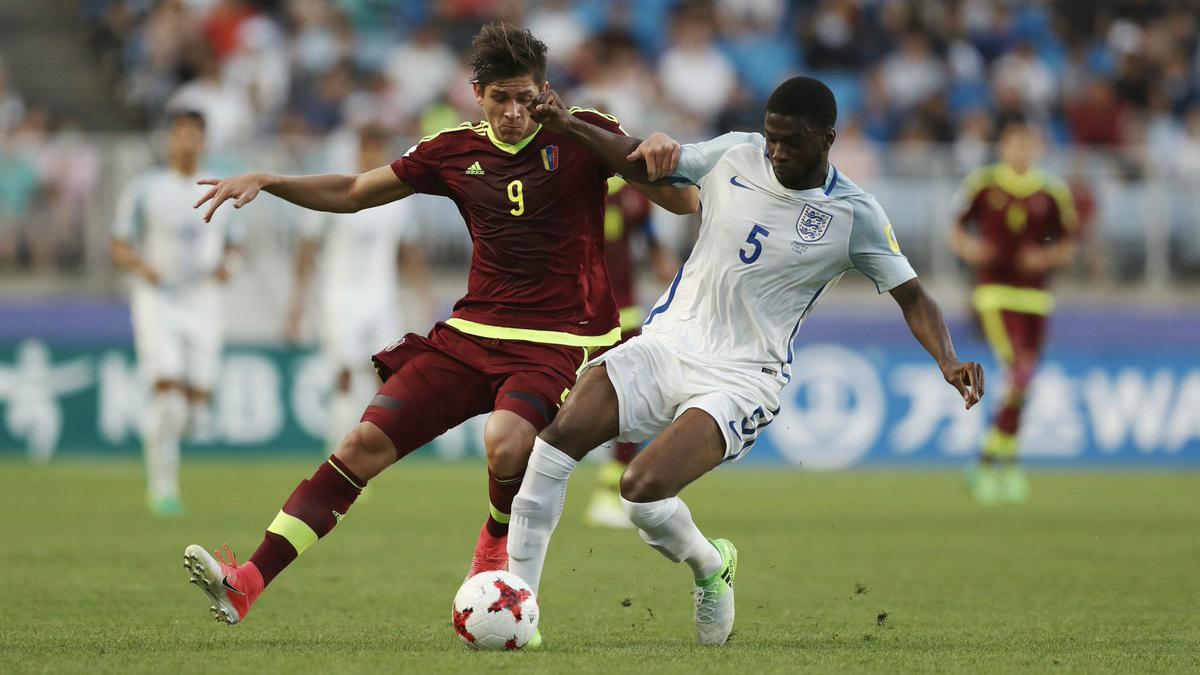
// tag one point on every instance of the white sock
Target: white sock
(200, 422)
(667, 526)
(344, 413)
(536, 510)
(164, 424)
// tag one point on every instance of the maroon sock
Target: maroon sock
(319, 503)
(501, 492)
(625, 452)
(1008, 419)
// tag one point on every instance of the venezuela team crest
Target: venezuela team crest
(812, 223)
(550, 157)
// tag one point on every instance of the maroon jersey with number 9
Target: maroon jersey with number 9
(535, 211)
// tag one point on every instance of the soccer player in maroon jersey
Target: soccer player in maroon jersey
(627, 215)
(1014, 227)
(538, 300)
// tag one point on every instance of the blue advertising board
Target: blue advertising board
(863, 393)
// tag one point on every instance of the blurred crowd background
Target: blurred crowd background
(922, 87)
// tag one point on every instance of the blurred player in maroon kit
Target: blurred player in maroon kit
(626, 215)
(538, 301)
(1015, 227)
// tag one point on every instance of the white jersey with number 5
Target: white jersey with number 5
(766, 255)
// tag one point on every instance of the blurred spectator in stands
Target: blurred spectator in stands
(19, 186)
(223, 26)
(156, 54)
(555, 23)
(1023, 71)
(228, 113)
(420, 69)
(990, 27)
(972, 148)
(695, 76)
(831, 35)
(615, 79)
(319, 40)
(1186, 154)
(912, 73)
(1097, 117)
(260, 67)
(322, 105)
(854, 154)
(70, 168)
(12, 108)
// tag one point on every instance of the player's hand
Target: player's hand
(222, 273)
(967, 378)
(1033, 260)
(548, 109)
(976, 251)
(241, 189)
(150, 274)
(661, 154)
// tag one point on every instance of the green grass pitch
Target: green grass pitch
(853, 572)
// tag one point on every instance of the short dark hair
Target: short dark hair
(807, 98)
(187, 114)
(501, 51)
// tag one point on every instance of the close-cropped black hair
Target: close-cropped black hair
(807, 98)
(501, 51)
(186, 114)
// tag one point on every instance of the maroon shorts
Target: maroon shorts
(434, 383)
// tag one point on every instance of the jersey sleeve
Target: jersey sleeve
(1067, 220)
(420, 167)
(970, 193)
(605, 122)
(697, 159)
(129, 222)
(874, 250)
(598, 119)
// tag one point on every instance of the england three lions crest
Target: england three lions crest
(812, 223)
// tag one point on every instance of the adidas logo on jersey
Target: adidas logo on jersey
(474, 170)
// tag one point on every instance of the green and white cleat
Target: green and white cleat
(714, 598)
(983, 481)
(165, 507)
(1014, 487)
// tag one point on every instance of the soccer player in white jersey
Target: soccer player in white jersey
(359, 251)
(176, 263)
(780, 227)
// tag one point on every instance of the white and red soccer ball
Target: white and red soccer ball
(495, 610)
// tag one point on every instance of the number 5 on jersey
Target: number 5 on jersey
(752, 255)
(516, 195)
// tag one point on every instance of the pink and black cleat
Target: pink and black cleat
(232, 588)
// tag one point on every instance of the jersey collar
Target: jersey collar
(831, 182)
(510, 148)
(1019, 185)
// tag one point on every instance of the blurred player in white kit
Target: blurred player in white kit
(177, 264)
(358, 299)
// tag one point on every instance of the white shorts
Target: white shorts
(177, 334)
(352, 330)
(655, 385)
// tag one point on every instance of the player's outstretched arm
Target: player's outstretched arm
(925, 320)
(334, 193)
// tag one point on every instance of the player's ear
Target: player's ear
(830, 137)
(478, 92)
